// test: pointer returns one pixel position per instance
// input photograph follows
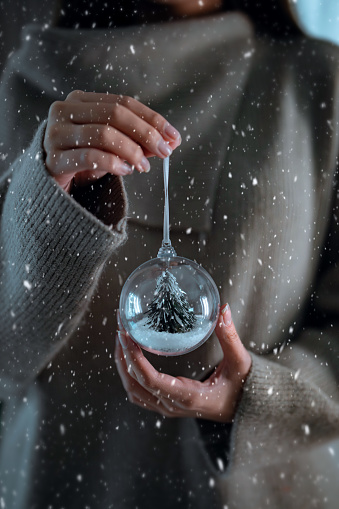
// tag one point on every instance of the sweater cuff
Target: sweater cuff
(278, 415)
(44, 200)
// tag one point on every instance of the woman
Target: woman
(259, 151)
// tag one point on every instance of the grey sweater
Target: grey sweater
(253, 199)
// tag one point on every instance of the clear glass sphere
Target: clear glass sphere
(169, 306)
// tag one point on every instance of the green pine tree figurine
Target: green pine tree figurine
(169, 311)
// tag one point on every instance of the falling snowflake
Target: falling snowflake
(27, 284)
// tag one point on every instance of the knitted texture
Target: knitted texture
(53, 251)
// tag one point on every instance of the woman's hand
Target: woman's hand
(216, 398)
(91, 134)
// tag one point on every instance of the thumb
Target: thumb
(235, 353)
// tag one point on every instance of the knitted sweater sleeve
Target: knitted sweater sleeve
(52, 252)
(290, 400)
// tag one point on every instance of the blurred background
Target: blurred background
(318, 18)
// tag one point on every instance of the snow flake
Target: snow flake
(158, 424)
(62, 429)
(254, 182)
(296, 374)
(27, 284)
(132, 49)
(248, 54)
(79, 477)
(220, 464)
(306, 429)
(331, 451)
(211, 482)
(270, 391)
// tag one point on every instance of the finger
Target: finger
(144, 112)
(97, 163)
(161, 384)
(162, 407)
(135, 392)
(122, 119)
(100, 137)
(131, 386)
(235, 354)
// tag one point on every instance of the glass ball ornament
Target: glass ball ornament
(169, 305)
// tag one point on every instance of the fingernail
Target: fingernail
(125, 169)
(164, 148)
(145, 166)
(172, 133)
(226, 312)
(122, 339)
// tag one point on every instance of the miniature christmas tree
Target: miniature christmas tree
(169, 311)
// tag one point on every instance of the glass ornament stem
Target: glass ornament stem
(166, 239)
(166, 250)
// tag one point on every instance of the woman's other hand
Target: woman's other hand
(91, 134)
(216, 398)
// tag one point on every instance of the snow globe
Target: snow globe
(170, 304)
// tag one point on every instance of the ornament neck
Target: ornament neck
(166, 250)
